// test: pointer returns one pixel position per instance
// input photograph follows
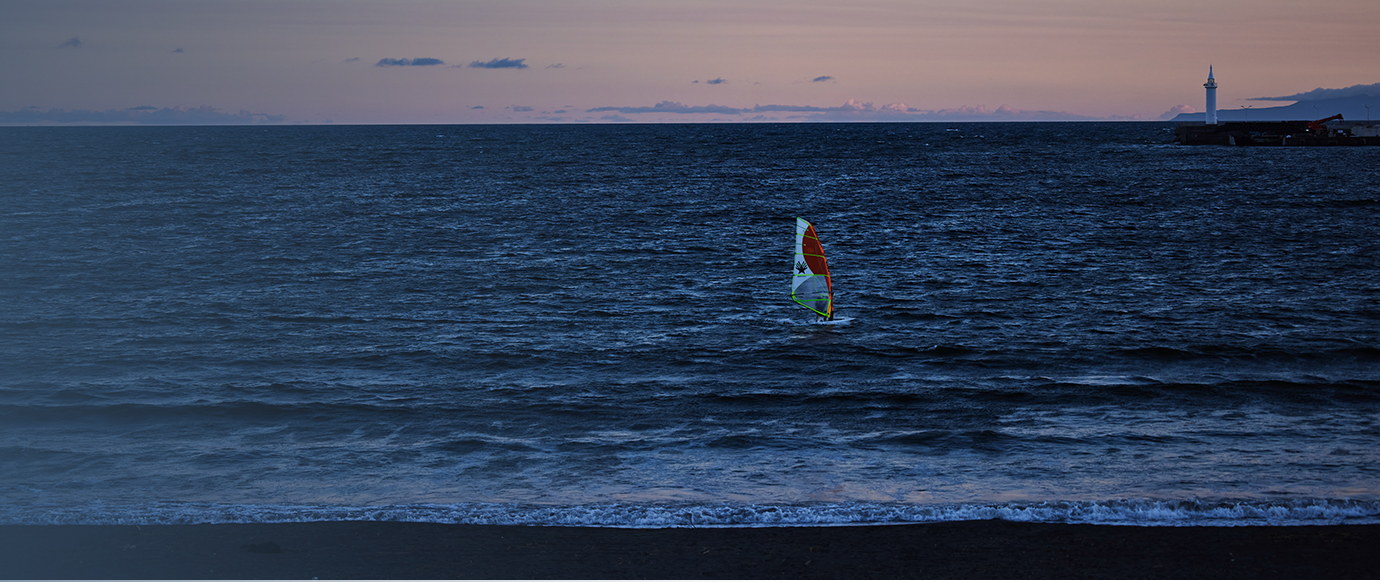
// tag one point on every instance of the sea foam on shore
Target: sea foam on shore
(1117, 512)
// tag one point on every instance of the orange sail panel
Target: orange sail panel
(810, 285)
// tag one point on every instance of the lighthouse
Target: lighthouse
(1211, 87)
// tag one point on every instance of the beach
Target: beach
(973, 549)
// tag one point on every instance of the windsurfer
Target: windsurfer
(810, 284)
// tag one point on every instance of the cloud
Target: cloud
(1320, 93)
(477, 107)
(854, 110)
(717, 81)
(822, 79)
(555, 65)
(422, 62)
(521, 108)
(352, 60)
(1002, 113)
(615, 117)
(73, 42)
(1175, 111)
(788, 108)
(178, 51)
(141, 115)
(670, 107)
(504, 63)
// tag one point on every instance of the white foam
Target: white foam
(1117, 512)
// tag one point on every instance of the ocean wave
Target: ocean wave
(578, 318)
(1132, 512)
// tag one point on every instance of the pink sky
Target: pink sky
(676, 60)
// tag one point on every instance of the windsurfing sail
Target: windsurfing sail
(810, 285)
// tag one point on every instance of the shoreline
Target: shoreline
(968, 549)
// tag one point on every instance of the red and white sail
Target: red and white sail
(810, 285)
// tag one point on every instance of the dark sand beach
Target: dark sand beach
(978, 549)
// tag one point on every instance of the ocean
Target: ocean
(591, 325)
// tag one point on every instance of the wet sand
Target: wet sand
(976, 549)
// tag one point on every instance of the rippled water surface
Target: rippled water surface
(591, 324)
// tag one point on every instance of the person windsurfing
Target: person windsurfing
(811, 286)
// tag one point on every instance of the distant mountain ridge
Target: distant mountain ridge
(1351, 108)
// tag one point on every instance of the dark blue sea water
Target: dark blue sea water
(591, 325)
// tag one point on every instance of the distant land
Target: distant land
(1352, 108)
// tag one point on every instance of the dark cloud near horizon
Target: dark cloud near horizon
(421, 62)
(671, 107)
(791, 108)
(855, 111)
(73, 42)
(141, 115)
(521, 108)
(681, 108)
(178, 51)
(1321, 93)
(504, 63)
(717, 81)
(822, 79)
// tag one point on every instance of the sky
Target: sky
(602, 61)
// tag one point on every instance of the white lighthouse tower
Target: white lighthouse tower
(1211, 87)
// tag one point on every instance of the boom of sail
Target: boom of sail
(810, 285)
